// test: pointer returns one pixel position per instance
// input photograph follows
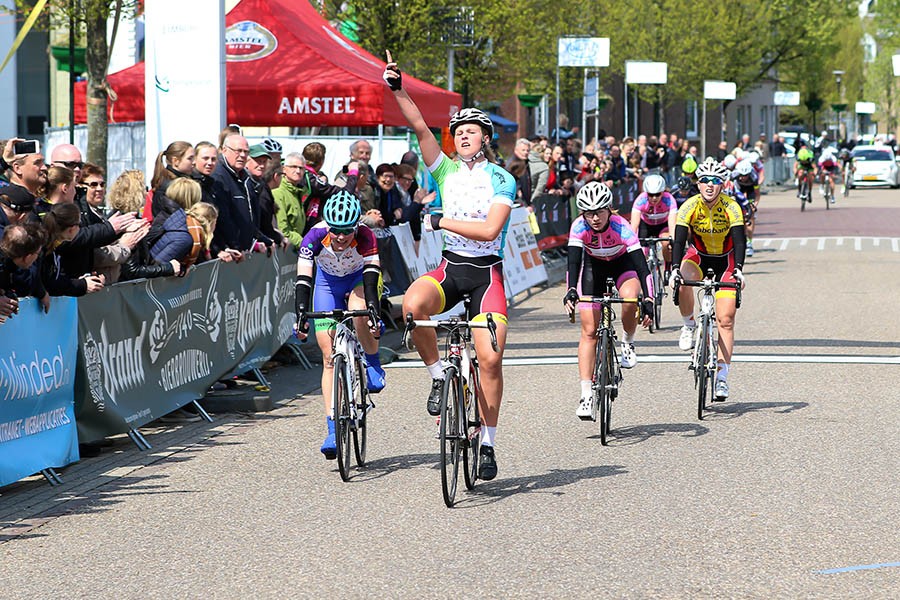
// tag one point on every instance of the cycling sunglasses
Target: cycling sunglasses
(342, 230)
(710, 180)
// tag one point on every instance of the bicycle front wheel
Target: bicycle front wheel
(803, 191)
(702, 367)
(658, 292)
(451, 440)
(341, 391)
(472, 445)
(603, 394)
(361, 399)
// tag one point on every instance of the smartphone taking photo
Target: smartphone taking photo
(27, 147)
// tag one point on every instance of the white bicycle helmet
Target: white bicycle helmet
(654, 184)
(712, 168)
(730, 161)
(472, 115)
(745, 167)
(753, 157)
(272, 145)
(593, 196)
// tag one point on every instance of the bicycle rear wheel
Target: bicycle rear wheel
(702, 367)
(361, 398)
(451, 442)
(341, 399)
(472, 445)
(603, 393)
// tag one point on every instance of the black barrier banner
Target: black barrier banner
(552, 213)
(148, 347)
(624, 195)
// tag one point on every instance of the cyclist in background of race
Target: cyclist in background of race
(829, 167)
(758, 167)
(348, 276)
(715, 225)
(653, 214)
(729, 162)
(848, 166)
(477, 197)
(805, 166)
(686, 186)
(746, 192)
(601, 246)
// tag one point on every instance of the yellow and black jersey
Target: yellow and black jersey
(711, 227)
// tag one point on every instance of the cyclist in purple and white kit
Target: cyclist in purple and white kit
(653, 213)
(602, 245)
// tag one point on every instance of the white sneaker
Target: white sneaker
(749, 248)
(585, 410)
(721, 390)
(686, 340)
(629, 358)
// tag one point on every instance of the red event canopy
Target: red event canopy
(287, 66)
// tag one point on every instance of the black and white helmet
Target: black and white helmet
(472, 115)
(712, 168)
(594, 196)
(272, 145)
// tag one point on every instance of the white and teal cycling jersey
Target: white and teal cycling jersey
(467, 195)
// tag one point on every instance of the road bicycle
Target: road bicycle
(706, 346)
(804, 188)
(350, 398)
(461, 395)
(828, 190)
(607, 374)
(658, 274)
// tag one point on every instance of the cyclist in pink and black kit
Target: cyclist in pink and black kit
(602, 245)
(653, 213)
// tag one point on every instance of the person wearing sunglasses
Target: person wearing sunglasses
(714, 222)
(653, 213)
(602, 245)
(348, 276)
(477, 196)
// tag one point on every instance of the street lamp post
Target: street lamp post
(837, 76)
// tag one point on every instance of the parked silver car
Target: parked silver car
(875, 165)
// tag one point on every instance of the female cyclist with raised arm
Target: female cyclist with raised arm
(653, 213)
(714, 222)
(477, 197)
(348, 277)
(601, 246)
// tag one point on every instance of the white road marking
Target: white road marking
(859, 242)
(674, 358)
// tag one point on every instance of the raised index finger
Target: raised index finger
(390, 58)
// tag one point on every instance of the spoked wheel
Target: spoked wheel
(451, 440)
(361, 398)
(603, 394)
(846, 185)
(341, 394)
(829, 196)
(701, 370)
(473, 430)
(657, 298)
(804, 189)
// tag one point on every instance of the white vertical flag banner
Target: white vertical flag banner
(583, 52)
(184, 89)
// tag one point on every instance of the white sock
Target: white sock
(487, 435)
(689, 321)
(628, 338)
(436, 370)
(586, 390)
(722, 373)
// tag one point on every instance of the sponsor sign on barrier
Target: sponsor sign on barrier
(553, 219)
(149, 347)
(522, 264)
(37, 374)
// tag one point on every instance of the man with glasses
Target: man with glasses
(239, 216)
(715, 223)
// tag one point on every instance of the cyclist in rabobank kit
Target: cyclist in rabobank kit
(348, 276)
(477, 197)
(714, 222)
(602, 246)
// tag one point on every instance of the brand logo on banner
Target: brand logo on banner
(248, 40)
(328, 105)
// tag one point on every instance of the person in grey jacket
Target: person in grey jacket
(540, 171)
